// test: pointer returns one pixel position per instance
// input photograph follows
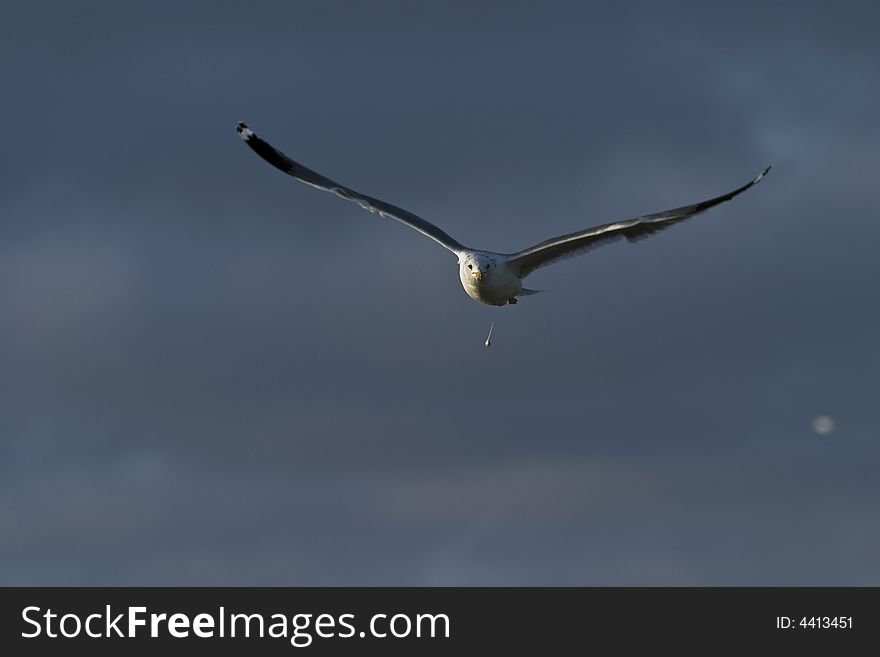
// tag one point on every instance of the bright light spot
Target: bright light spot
(823, 425)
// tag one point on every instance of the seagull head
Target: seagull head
(478, 266)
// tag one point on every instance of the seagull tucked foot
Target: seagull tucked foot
(511, 300)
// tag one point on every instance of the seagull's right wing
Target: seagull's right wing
(278, 159)
(566, 246)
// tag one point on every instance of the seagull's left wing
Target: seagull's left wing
(279, 160)
(566, 246)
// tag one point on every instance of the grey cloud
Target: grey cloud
(210, 374)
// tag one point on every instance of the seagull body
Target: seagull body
(486, 278)
(493, 278)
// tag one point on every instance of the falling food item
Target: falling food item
(488, 342)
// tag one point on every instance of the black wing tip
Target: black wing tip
(762, 174)
(245, 132)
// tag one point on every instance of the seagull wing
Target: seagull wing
(565, 246)
(278, 159)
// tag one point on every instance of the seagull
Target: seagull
(494, 278)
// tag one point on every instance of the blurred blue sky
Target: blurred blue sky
(211, 374)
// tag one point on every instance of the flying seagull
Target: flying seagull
(493, 278)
